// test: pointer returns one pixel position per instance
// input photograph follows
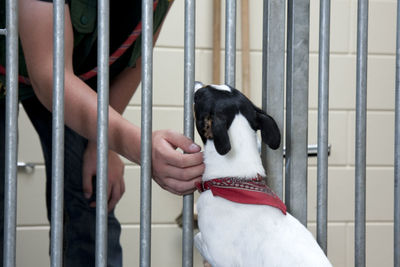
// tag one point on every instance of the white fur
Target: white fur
(239, 235)
(222, 87)
(242, 161)
(198, 85)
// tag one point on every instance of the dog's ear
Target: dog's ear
(270, 133)
(220, 135)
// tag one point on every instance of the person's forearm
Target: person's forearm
(81, 115)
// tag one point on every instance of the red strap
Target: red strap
(114, 56)
(245, 191)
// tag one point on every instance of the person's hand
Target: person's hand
(173, 170)
(116, 184)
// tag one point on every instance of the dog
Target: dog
(234, 233)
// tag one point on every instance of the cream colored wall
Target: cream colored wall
(32, 235)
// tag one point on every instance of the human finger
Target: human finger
(180, 141)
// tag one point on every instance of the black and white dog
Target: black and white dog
(241, 221)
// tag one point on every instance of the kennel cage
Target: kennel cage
(285, 27)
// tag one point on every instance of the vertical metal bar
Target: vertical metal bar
(11, 142)
(103, 48)
(361, 122)
(323, 124)
(297, 108)
(230, 42)
(397, 150)
(273, 75)
(146, 124)
(57, 190)
(216, 49)
(189, 59)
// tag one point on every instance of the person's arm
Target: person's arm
(121, 90)
(36, 33)
(173, 170)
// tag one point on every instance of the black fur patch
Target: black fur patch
(221, 107)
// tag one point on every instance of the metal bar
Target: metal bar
(103, 48)
(3, 31)
(230, 42)
(216, 49)
(146, 124)
(312, 150)
(323, 124)
(57, 190)
(27, 167)
(189, 71)
(245, 29)
(273, 75)
(297, 108)
(11, 142)
(361, 122)
(397, 150)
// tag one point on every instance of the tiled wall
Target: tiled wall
(168, 113)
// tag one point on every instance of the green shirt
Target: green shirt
(84, 22)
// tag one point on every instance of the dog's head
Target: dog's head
(216, 106)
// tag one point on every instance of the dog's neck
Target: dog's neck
(242, 161)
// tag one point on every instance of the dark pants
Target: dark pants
(79, 218)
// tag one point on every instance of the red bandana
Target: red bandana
(246, 191)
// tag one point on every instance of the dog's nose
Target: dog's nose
(198, 85)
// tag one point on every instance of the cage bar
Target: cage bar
(323, 124)
(273, 75)
(57, 191)
(230, 42)
(297, 108)
(146, 133)
(189, 71)
(361, 127)
(396, 237)
(103, 48)
(11, 134)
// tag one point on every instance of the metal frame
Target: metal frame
(273, 78)
(11, 142)
(361, 127)
(230, 42)
(57, 201)
(103, 48)
(189, 72)
(396, 237)
(272, 100)
(146, 133)
(323, 124)
(297, 108)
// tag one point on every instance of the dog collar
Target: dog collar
(245, 191)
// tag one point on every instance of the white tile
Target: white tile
(381, 82)
(380, 138)
(340, 18)
(379, 244)
(382, 27)
(166, 246)
(342, 82)
(29, 149)
(336, 237)
(32, 246)
(31, 197)
(336, 136)
(166, 206)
